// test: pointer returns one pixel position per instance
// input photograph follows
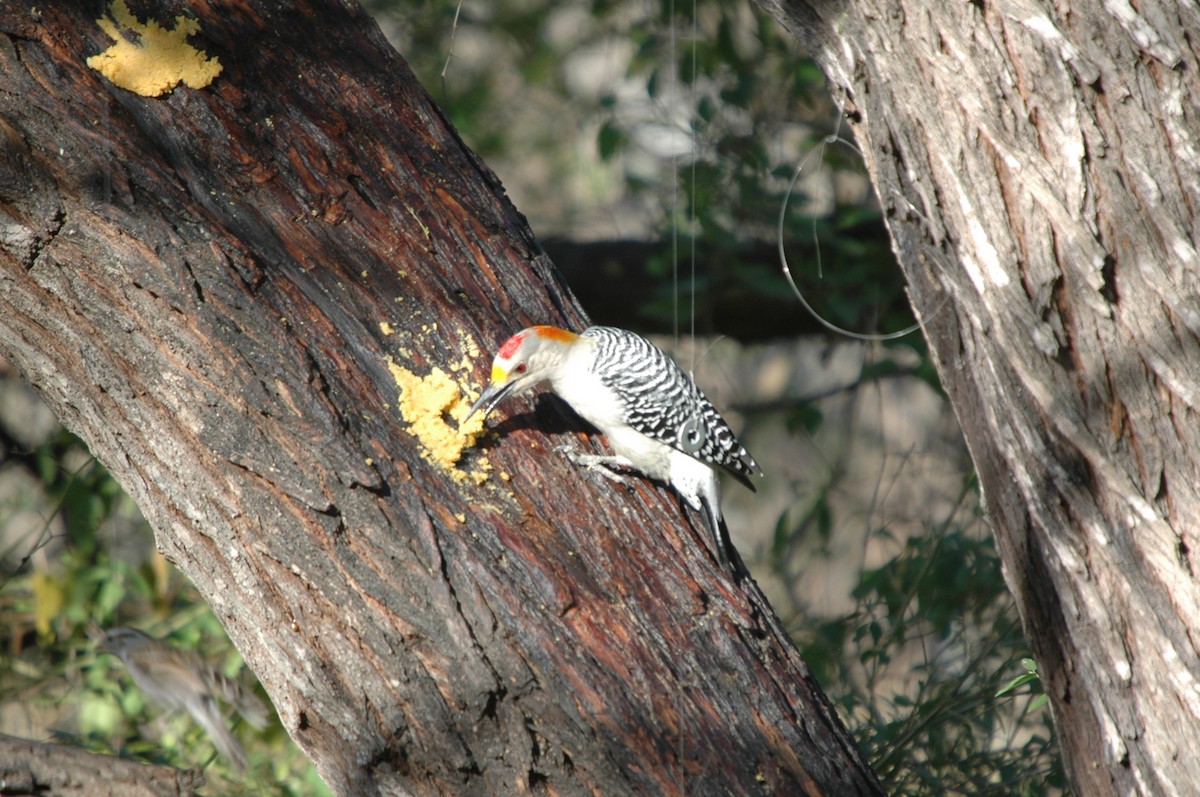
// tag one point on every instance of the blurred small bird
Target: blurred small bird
(182, 679)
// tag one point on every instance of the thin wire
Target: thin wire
(450, 54)
(674, 192)
(692, 206)
(819, 150)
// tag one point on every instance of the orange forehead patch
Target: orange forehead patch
(554, 333)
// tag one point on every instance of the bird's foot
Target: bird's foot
(598, 463)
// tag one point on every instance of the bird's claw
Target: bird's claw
(596, 463)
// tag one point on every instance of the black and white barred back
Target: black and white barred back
(665, 404)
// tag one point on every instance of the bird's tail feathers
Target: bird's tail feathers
(208, 716)
(719, 532)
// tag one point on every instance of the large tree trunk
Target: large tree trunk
(207, 287)
(1038, 166)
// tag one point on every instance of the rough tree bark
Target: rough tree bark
(1038, 165)
(51, 770)
(206, 287)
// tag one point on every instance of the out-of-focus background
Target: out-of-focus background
(651, 146)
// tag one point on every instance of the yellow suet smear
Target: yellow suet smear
(435, 409)
(159, 60)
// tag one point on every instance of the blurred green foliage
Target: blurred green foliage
(687, 133)
(93, 567)
(925, 667)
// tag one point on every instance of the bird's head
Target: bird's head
(524, 361)
(122, 641)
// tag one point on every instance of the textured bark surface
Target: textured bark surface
(1038, 166)
(206, 286)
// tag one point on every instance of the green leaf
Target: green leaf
(610, 140)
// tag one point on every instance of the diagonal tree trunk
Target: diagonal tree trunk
(1037, 164)
(216, 288)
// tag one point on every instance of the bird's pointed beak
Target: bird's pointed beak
(488, 400)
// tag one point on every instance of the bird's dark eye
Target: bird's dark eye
(520, 369)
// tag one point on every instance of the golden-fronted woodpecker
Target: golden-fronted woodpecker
(655, 418)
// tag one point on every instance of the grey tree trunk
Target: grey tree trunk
(1039, 170)
(209, 286)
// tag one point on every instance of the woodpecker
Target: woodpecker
(656, 420)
